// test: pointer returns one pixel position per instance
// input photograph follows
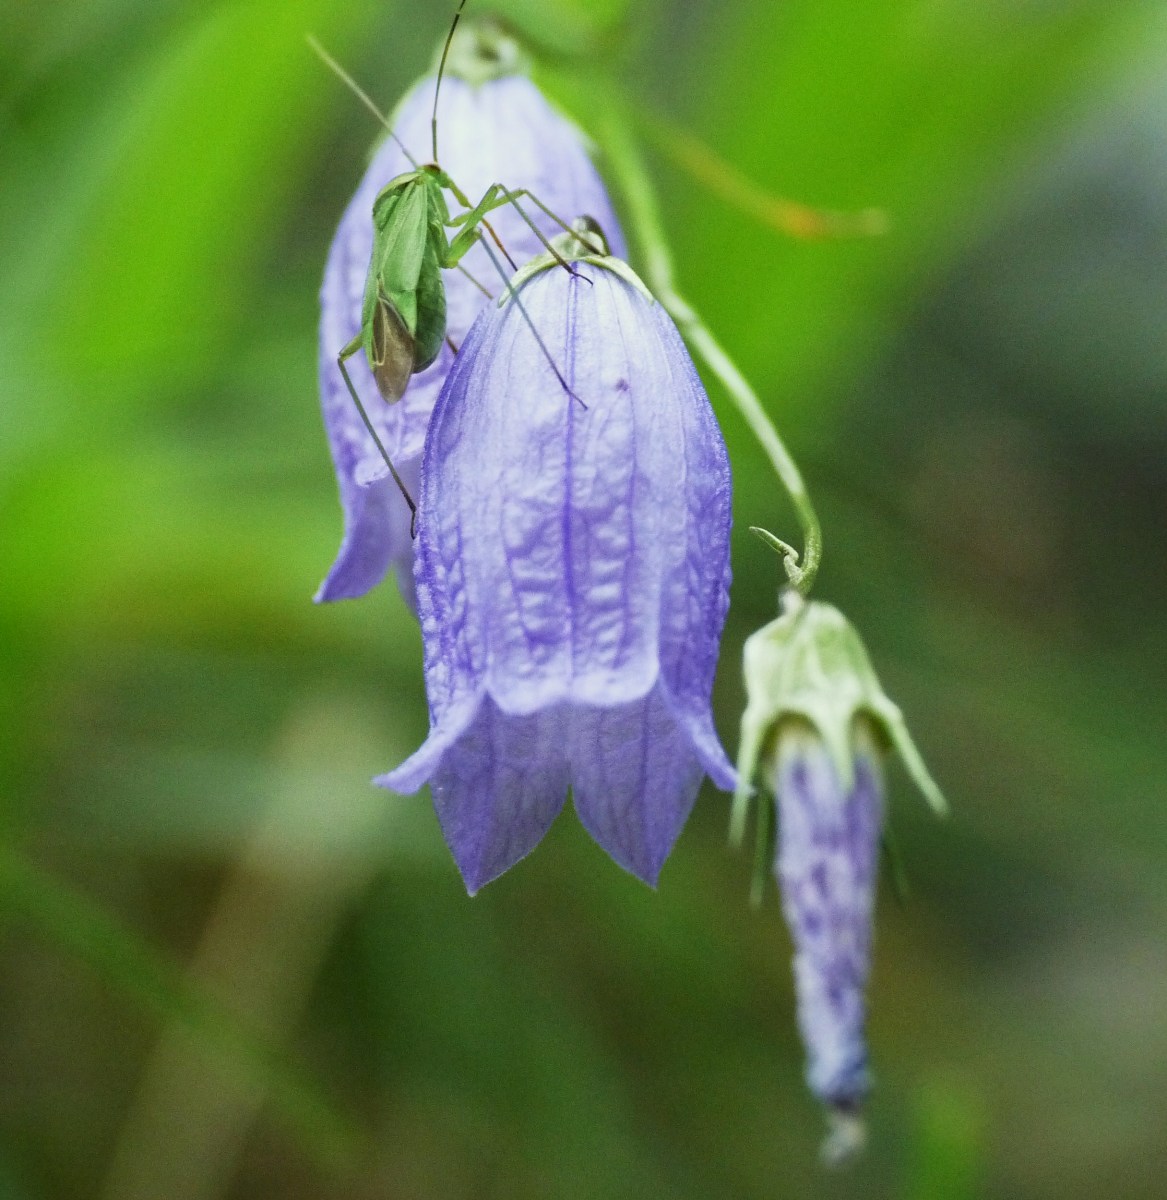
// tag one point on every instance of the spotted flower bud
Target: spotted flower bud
(815, 729)
(494, 127)
(573, 575)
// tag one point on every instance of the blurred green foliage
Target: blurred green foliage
(978, 402)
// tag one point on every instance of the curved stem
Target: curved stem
(628, 165)
(795, 220)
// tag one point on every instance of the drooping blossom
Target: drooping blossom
(816, 727)
(494, 126)
(573, 575)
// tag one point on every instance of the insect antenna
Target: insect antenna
(441, 72)
(359, 92)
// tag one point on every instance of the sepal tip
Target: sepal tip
(810, 665)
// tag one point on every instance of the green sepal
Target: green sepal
(577, 247)
(482, 52)
(810, 665)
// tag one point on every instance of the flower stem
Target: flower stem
(628, 165)
(785, 216)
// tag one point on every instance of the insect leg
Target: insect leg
(481, 287)
(469, 222)
(513, 197)
(348, 352)
(498, 242)
(494, 197)
(531, 324)
(470, 233)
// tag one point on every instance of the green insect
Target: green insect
(403, 315)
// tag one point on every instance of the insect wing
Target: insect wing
(385, 223)
(430, 330)
(403, 251)
(390, 310)
(392, 350)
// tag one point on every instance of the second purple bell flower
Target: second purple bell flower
(494, 126)
(573, 576)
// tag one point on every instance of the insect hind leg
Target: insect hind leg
(347, 353)
(514, 296)
(493, 198)
(512, 197)
(477, 283)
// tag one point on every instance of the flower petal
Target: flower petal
(377, 520)
(827, 853)
(696, 589)
(563, 526)
(634, 779)
(418, 769)
(499, 789)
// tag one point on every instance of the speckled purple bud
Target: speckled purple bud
(573, 579)
(828, 849)
(502, 130)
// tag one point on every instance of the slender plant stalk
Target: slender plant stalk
(723, 179)
(628, 165)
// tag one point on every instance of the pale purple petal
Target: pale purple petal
(828, 845)
(697, 585)
(417, 770)
(557, 543)
(498, 790)
(555, 516)
(634, 779)
(377, 521)
(502, 131)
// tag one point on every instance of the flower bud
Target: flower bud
(816, 727)
(827, 852)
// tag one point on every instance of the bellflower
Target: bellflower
(817, 723)
(494, 126)
(573, 575)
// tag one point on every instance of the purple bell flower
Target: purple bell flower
(573, 576)
(493, 128)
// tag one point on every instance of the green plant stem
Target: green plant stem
(628, 165)
(784, 216)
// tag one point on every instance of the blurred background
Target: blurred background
(231, 968)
